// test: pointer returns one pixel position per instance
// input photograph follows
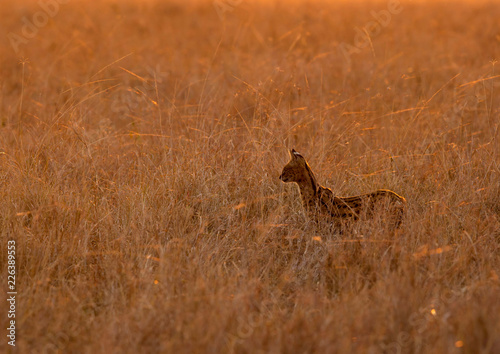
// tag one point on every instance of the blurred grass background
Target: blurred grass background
(140, 149)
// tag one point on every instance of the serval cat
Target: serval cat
(320, 202)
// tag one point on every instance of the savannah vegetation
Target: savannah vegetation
(140, 148)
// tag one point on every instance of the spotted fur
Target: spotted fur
(320, 202)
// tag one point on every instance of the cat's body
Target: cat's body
(321, 203)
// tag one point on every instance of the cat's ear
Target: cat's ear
(294, 154)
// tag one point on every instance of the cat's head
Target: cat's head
(294, 168)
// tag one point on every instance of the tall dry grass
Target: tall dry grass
(141, 144)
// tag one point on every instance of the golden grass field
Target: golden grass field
(140, 149)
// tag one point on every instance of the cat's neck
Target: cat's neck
(307, 184)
